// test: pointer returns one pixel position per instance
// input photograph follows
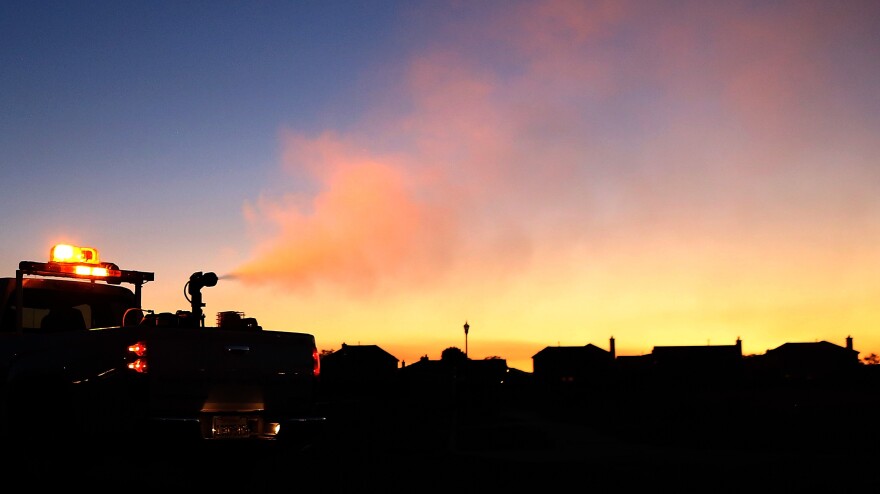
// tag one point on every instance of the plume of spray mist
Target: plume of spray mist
(372, 222)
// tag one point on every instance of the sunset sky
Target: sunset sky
(376, 172)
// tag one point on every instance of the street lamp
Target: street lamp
(466, 327)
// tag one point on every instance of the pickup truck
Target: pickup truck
(80, 358)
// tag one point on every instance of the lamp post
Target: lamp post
(466, 327)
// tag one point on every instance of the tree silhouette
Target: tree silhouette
(452, 354)
(872, 359)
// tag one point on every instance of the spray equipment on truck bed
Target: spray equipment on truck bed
(227, 319)
(194, 286)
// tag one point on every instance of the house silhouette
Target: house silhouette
(358, 369)
(809, 361)
(572, 364)
(710, 364)
(368, 369)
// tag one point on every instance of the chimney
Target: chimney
(739, 345)
(612, 350)
(849, 343)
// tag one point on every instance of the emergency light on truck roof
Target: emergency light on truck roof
(71, 261)
(72, 253)
(80, 261)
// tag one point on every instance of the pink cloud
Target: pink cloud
(367, 223)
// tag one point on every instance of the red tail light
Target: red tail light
(139, 365)
(140, 350)
(316, 363)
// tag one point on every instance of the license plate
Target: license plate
(230, 427)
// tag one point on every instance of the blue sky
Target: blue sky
(149, 117)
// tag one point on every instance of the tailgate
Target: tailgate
(209, 370)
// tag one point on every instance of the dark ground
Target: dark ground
(490, 443)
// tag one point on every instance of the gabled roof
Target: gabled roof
(810, 345)
(360, 353)
(811, 348)
(571, 351)
(428, 364)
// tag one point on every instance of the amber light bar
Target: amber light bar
(73, 253)
(93, 271)
(80, 261)
(72, 261)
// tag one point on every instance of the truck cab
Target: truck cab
(73, 291)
